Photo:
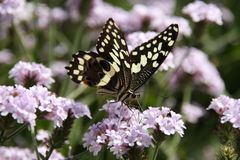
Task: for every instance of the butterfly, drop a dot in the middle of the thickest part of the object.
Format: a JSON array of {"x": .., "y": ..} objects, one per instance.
[{"x": 115, "y": 71}]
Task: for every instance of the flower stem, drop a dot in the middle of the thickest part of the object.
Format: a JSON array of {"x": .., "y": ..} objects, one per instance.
[
  {"x": 156, "y": 151},
  {"x": 18, "y": 130},
  {"x": 35, "y": 143}
]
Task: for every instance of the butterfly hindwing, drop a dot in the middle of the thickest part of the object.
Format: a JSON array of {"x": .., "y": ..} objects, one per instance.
[
  {"x": 90, "y": 69},
  {"x": 146, "y": 58}
]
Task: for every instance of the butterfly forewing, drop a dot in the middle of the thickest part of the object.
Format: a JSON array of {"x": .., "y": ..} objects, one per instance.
[
  {"x": 112, "y": 47},
  {"x": 146, "y": 58}
]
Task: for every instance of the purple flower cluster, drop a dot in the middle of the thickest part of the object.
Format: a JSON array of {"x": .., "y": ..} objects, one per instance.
[
  {"x": 22, "y": 104},
  {"x": 228, "y": 108},
  {"x": 125, "y": 128},
  {"x": 137, "y": 38},
  {"x": 14, "y": 153},
  {"x": 157, "y": 13},
  {"x": 5, "y": 56},
  {"x": 192, "y": 112},
  {"x": 24, "y": 72},
  {"x": 188, "y": 60},
  {"x": 200, "y": 11},
  {"x": 11, "y": 7},
  {"x": 45, "y": 15}
]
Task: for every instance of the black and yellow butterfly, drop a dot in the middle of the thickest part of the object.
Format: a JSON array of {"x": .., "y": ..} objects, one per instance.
[{"x": 115, "y": 71}]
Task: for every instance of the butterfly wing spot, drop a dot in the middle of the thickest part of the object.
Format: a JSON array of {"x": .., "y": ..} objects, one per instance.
[
  {"x": 121, "y": 55},
  {"x": 155, "y": 49},
  {"x": 81, "y": 61},
  {"x": 110, "y": 22},
  {"x": 103, "y": 44},
  {"x": 123, "y": 42},
  {"x": 79, "y": 78},
  {"x": 148, "y": 45},
  {"x": 114, "y": 35},
  {"x": 80, "y": 67},
  {"x": 86, "y": 57},
  {"x": 104, "y": 81},
  {"x": 76, "y": 72},
  {"x": 170, "y": 43},
  {"x": 154, "y": 42},
  {"x": 141, "y": 48},
  {"x": 106, "y": 41},
  {"x": 175, "y": 28},
  {"x": 164, "y": 53},
  {"x": 115, "y": 52},
  {"x": 107, "y": 30},
  {"x": 155, "y": 64},
  {"x": 134, "y": 53},
  {"x": 143, "y": 60},
  {"x": 160, "y": 46},
  {"x": 127, "y": 64},
  {"x": 155, "y": 56},
  {"x": 149, "y": 54},
  {"x": 108, "y": 37},
  {"x": 115, "y": 67},
  {"x": 136, "y": 68},
  {"x": 164, "y": 38},
  {"x": 116, "y": 43},
  {"x": 169, "y": 33},
  {"x": 101, "y": 49},
  {"x": 115, "y": 58}
]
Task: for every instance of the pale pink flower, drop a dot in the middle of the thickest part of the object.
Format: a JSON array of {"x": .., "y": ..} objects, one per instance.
[
  {"x": 125, "y": 128},
  {"x": 206, "y": 75},
  {"x": 200, "y": 11},
  {"x": 228, "y": 109},
  {"x": 192, "y": 112},
  {"x": 6, "y": 56},
  {"x": 23, "y": 72},
  {"x": 14, "y": 153}
]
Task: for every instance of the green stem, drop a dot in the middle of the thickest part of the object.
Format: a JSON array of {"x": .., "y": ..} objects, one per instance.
[
  {"x": 48, "y": 154},
  {"x": 187, "y": 94},
  {"x": 18, "y": 130},
  {"x": 35, "y": 143},
  {"x": 20, "y": 42},
  {"x": 156, "y": 151}
]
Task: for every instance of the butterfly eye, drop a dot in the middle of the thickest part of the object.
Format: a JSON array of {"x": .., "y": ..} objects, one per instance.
[{"x": 105, "y": 65}]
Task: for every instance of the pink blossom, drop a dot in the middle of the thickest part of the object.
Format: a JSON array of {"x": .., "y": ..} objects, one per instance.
[
  {"x": 200, "y": 11},
  {"x": 23, "y": 72}
]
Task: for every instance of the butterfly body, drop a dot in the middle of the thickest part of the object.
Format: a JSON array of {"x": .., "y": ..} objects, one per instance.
[{"x": 115, "y": 71}]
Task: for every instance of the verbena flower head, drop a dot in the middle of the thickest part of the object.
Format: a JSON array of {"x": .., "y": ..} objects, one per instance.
[
  {"x": 137, "y": 38},
  {"x": 58, "y": 69},
  {"x": 22, "y": 104},
  {"x": 200, "y": 11},
  {"x": 19, "y": 102},
  {"x": 125, "y": 128},
  {"x": 188, "y": 60},
  {"x": 228, "y": 108},
  {"x": 6, "y": 56},
  {"x": 29, "y": 72},
  {"x": 192, "y": 112},
  {"x": 14, "y": 153},
  {"x": 162, "y": 21},
  {"x": 11, "y": 7},
  {"x": 46, "y": 15},
  {"x": 101, "y": 11}
]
